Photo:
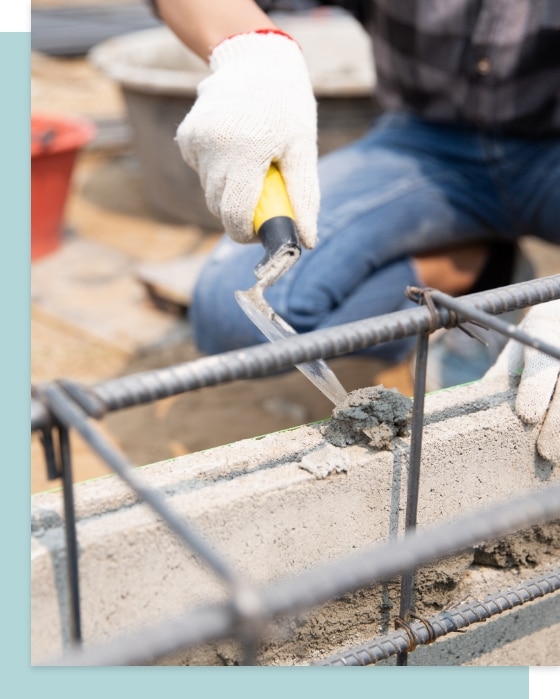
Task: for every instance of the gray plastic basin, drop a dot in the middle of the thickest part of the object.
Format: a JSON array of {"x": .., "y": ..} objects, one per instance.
[{"x": 158, "y": 78}]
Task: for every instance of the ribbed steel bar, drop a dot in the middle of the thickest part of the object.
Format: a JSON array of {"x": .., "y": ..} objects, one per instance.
[
  {"x": 413, "y": 479},
  {"x": 321, "y": 584},
  {"x": 269, "y": 358},
  {"x": 72, "y": 568},
  {"x": 244, "y": 601},
  {"x": 70, "y": 415},
  {"x": 470, "y": 312},
  {"x": 428, "y": 630}
]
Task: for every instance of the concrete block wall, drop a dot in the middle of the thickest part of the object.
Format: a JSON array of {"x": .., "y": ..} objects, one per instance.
[{"x": 283, "y": 503}]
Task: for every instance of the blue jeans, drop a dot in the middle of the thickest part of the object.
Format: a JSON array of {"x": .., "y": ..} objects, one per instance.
[{"x": 407, "y": 187}]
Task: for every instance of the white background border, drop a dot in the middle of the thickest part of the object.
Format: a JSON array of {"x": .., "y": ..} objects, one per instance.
[
  {"x": 15, "y": 16},
  {"x": 544, "y": 682}
]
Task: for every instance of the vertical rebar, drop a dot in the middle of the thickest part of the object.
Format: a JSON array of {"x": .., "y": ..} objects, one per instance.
[
  {"x": 413, "y": 481},
  {"x": 50, "y": 454},
  {"x": 250, "y": 651},
  {"x": 71, "y": 538},
  {"x": 70, "y": 414}
]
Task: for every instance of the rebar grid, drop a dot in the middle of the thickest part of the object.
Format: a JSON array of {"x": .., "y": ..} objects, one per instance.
[
  {"x": 68, "y": 405},
  {"x": 329, "y": 581},
  {"x": 426, "y": 631}
]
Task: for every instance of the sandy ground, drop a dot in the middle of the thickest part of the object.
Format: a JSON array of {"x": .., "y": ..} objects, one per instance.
[{"x": 106, "y": 209}]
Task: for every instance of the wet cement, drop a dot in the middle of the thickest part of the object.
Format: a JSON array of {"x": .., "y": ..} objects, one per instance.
[{"x": 372, "y": 416}]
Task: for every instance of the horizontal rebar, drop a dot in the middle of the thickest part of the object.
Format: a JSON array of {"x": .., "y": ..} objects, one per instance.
[
  {"x": 323, "y": 583},
  {"x": 270, "y": 358},
  {"x": 471, "y": 312},
  {"x": 428, "y": 630}
]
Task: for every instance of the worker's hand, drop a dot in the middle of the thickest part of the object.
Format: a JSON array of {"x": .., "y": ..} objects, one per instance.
[
  {"x": 538, "y": 394},
  {"x": 256, "y": 107}
]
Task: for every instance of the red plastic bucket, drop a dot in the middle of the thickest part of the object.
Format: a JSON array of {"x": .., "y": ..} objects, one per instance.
[{"x": 55, "y": 142}]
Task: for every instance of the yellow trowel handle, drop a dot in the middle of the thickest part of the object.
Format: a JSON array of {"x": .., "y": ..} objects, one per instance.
[
  {"x": 274, "y": 200},
  {"x": 275, "y": 225}
]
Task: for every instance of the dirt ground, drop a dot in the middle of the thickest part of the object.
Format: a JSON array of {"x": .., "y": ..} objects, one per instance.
[{"x": 106, "y": 208}]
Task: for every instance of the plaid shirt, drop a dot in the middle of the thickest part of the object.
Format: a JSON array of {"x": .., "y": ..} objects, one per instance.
[{"x": 492, "y": 64}]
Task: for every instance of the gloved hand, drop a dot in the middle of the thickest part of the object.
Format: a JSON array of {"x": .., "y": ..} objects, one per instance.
[
  {"x": 538, "y": 394},
  {"x": 256, "y": 107}
]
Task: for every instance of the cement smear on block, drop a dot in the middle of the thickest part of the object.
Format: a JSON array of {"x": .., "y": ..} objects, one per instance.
[{"x": 526, "y": 549}]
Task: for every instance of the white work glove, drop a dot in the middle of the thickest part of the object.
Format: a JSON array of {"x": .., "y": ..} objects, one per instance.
[
  {"x": 256, "y": 107},
  {"x": 538, "y": 394}
]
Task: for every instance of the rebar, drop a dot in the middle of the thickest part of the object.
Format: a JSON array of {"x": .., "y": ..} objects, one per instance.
[
  {"x": 70, "y": 536},
  {"x": 68, "y": 405},
  {"x": 451, "y": 620},
  {"x": 270, "y": 358},
  {"x": 70, "y": 415},
  {"x": 413, "y": 480},
  {"x": 471, "y": 312},
  {"x": 322, "y": 584}
]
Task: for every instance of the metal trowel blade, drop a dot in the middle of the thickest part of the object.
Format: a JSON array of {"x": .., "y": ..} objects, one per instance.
[{"x": 275, "y": 328}]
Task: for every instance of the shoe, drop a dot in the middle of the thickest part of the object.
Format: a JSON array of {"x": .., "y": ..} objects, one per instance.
[{"x": 454, "y": 358}]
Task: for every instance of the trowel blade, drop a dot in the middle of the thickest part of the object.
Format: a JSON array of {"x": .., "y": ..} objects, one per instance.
[{"x": 275, "y": 328}]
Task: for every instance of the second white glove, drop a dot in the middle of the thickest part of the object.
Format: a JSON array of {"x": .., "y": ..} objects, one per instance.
[
  {"x": 257, "y": 107},
  {"x": 538, "y": 394}
]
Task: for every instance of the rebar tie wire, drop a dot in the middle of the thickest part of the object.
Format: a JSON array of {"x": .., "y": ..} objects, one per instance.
[
  {"x": 323, "y": 583},
  {"x": 462, "y": 311},
  {"x": 451, "y": 620}
]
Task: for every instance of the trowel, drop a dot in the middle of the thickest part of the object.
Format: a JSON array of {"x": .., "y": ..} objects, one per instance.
[{"x": 274, "y": 224}]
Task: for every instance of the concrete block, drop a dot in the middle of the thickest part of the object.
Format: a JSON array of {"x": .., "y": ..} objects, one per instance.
[{"x": 271, "y": 518}]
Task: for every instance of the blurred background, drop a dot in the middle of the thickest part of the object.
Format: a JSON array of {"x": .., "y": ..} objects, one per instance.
[{"x": 120, "y": 228}]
